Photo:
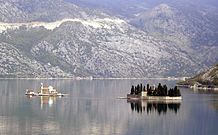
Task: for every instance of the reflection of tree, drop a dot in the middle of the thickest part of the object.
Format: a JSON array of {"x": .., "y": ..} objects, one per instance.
[
  {"x": 136, "y": 106},
  {"x": 175, "y": 107},
  {"x": 160, "y": 107},
  {"x": 47, "y": 100},
  {"x": 44, "y": 100}
]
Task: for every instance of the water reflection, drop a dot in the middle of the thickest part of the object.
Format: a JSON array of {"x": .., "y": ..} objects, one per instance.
[
  {"x": 44, "y": 100},
  {"x": 162, "y": 107},
  {"x": 208, "y": 95},
  {"x": 47, "y": 100},
  {"x": 92, "y": 108}
]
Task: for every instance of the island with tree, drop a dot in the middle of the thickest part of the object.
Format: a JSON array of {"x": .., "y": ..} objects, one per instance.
[{"x": 154, "y": 93}]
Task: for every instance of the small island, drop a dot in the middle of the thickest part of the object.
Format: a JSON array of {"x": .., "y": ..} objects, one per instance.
[
  {"x": 44, "y": 91},
  {"x": 154, "y": 93}
]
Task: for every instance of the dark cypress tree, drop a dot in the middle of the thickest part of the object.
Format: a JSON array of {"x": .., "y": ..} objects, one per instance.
[
  {"x": 175, "y": 92},
  {"x": 149, "y": 92},
  {"x": 159, "y": 90},
  {"x": 147, "y": 86},
  {"x": 159, "y": 86},
  {"x": 178, "y": 93},
  {"x": 135, "y": 90},
  {"x": 141, "y": 87},
  {"x": 132, "y": 90},
  {"x": 170, "y": 92},
  {"x": 138, "y": 89},
  {"x": 164, "y": 90}
]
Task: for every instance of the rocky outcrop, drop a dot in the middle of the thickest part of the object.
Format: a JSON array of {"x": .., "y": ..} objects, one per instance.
[{"x": 209, "y": 77}]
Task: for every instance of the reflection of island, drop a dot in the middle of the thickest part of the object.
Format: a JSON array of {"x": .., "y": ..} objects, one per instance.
[
  {"x": 153, "y": 106},
  {"x": 47, "y": 100}
]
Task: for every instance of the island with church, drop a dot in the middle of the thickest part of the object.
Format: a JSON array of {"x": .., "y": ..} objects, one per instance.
[
  {"x": 148, "y": 92},
  {"x": 44, "y": 91}
]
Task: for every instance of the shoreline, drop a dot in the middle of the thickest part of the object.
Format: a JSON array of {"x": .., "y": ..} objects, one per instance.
[
  {"x": 153, "y": 98},
  {"x": 204, "y": 87},
  {"x": 87, "y": 78}
]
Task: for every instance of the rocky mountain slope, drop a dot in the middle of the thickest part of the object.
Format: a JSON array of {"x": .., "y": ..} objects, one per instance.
[
  {"x": 182, "y": 24},
  {"x": 59, "y": 39},
  {"x": 100, "y": 48},
  {"x": 209, "y": 77}
]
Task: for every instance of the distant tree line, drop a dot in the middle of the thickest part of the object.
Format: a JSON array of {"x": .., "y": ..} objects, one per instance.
[{"x": 161, "y": 90}]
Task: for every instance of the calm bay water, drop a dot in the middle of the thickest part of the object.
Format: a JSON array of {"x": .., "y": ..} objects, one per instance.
[{"x": 92, "y": 107}]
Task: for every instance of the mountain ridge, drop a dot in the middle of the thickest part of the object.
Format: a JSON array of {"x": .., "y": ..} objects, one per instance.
[
  {"x": 124, "y": 52},
  {"x": 92, "y": 43},
  {"x": 183, "y": 24}
]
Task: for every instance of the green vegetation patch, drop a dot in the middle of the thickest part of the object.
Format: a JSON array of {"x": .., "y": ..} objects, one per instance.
[{"x": 24, "y": 38}]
